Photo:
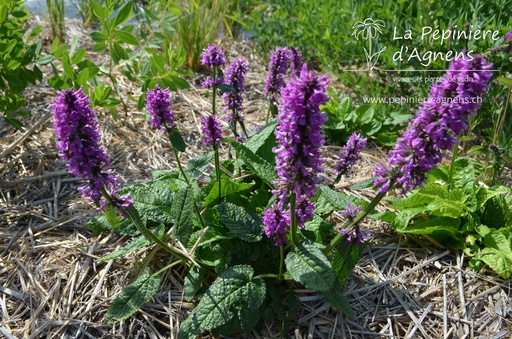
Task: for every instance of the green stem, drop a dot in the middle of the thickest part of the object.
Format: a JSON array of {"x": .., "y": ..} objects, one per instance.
[
  {"x": 293, "y": 220},
  {"x": 334, "y": 242},
  {"x": 171, "y": 265},
  {"x": 217, "y": 168},
  {"x": 176, "y": 155},
  {"x": 455, "y": 151},
  {"x": 281, "y": 262}
]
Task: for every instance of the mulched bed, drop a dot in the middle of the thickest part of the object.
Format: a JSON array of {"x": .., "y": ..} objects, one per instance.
[{"x": 52, "y": 287}]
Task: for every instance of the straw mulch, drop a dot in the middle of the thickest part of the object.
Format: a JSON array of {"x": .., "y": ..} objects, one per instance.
[{"x": 52, "y": 287}]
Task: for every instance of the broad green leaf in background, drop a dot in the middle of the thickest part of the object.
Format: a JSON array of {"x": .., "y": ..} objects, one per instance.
[
  {"x": 228, "y": 186},
  {"x": 255, "y": 163},
  {"x": 244, "y": 224},
  {"x": 133, "y": 296},
  {"x": 183, "y": 210},
  {"x": 309, "y": 266},
  {"x": 345, "y": 259},
  {"x": 228, "y": 299}
]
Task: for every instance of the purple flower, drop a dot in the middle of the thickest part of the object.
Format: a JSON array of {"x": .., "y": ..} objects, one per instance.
[
  {"x": 350, "y": 154},
  {"x": 213, "y": 56},
  {"x": 299, "y": 138},
  {"x": 355, "y": 234},
  {"x": 211, "y": 131},
  {"x": 277, "y": 223},
  {"x": 351, "y": 211},
  {"x": 158, "y": 104},
  {"x": 79, "y": 144},
  {"x": 208, "y": 82},
  {"x": 437, "y": 124},
  {"x": 295, "y": 59},
  {"x": 235, "y": 77},
  {"x": 508, "y": 39},
  {"x": 276, "y": 70}
]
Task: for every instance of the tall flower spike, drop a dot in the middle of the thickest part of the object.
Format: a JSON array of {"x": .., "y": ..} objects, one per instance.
[
  {"x": 79, "y": 145},
  {"x": 295, "y": 59},
  {"x": 350, "y": 154},
  {"x": 437, "y": 124},
  {"x": 235, "y": 77},
  {"x": 211, "y": 130},
  {"x": 213, "y": 56},
  {"x": 299, "y": 138},
  {"x": 158, "y": 103},
  {"x": 276, "y": 70}
]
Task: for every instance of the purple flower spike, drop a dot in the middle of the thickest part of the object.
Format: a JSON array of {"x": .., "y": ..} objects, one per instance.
[
  {"x": 211, "y": 131},
  {"x": 295, "y": 59},
  {"x": 158, "y": 103},
  {"x": 350, "y": 154},
  {"x": 235, "y": 77},
  {"x": 351, "y": 211},
  {"x": 437, "y": 124},
  {"x": 208, "y": 82},
  {"x": 355, "y": 234},
  {"x": 213, "y": 56},
  {"x": 508, "y": 39},
  {"x": 299, "y": 137},
  {"x": 79, "y": 144},
  {"x": 277, "y": 223},
  {"x": 276, "y": 70}
]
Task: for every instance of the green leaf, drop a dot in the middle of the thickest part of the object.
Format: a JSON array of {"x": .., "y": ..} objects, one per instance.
[
  {"x": 259, "y": 139},
  {"x": 183, "y": 210},
  {"x": 124, "y": 14},
  {"x": 228, "y": 187},
  {"x": 127, "y": 38},
  {"x": 497, "y": 253},
  {"x": 338, "y": 300},
  {"x": 223, "y": 303},
  {"x": 255, "y": 163},
  {"x": 200, "y": 163},
  {"x": 345, "y": 259},
  {"x": 309, "y": 266},
  {"x": 192, "y": 283},
  {"x": 133, "y": 297},
  {"x": 133, "y": 246},
  {"x": 244, "y": 224},
  {"x": 120, "y": 52},
  {"x": 111, "y": 216},
  {"x": 45, "y": 60},
  {"x": 337, "y": 199},
  {"x": 153, "y": 200},
  {"x": 177, "y": 140}
]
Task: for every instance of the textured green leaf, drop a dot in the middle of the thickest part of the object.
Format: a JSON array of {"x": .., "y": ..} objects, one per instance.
[
  {"x": 199, "y": 164},
  {"x": 309, "y": 266},
  {"x": 338, "y": 300},
  {"x": 255, "y": 163},
  {"x": 110, "y": 215},
  {"x": 228, "y": 186},
  {"x": 497, "y": 253},
  {"x": 232, "y": 291},
  {"x": 153, "y": 200},
  {"x": 259, "y": 139},
  {"x": 338, "y": 200},
  {"x": 133, "y": 297},
  {"x": 192, "y": 283},
  {"x": 244, "y": 224},
  {"x": 183, "y": 210},
  {"x": 345, "y": 259}
]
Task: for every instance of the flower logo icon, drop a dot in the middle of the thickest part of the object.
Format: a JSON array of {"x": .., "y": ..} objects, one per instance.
[{"x": 368, "y": 30}]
